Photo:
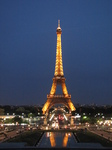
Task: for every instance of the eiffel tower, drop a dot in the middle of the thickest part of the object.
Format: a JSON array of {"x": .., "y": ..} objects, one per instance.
[{"x": 58, "y": 79}]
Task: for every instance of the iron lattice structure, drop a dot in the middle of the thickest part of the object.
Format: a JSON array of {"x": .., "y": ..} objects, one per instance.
[{"x": 58, "y": 79}]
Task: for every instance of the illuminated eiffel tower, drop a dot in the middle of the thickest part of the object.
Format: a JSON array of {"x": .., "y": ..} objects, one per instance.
[{"x": 58, "y": 79}]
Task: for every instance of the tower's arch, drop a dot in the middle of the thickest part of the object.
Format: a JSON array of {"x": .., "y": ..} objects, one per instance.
[{"x": 53, "y": 104}]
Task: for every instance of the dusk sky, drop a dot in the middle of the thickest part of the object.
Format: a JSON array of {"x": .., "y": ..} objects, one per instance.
[{"x": 28, "y": 50}]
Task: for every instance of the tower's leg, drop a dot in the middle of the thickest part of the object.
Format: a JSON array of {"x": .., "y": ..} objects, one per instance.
[
  {"x": 71, "y": 106},
  {"x": 53, "y": 88},
  {"x": 45, "y": 121},
  {"x": 46, "y": 106},
  {"x": 72, "y": 121},
  {"x": 64, "y": 89}
]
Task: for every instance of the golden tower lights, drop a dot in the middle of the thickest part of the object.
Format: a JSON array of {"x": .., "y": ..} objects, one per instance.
[{"x": 58, "y": 79}]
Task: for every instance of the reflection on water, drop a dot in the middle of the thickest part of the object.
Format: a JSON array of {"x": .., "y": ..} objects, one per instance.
[
  {"x": 57, "y": 139},
  {"x": 65, "y": 139},
  {"x": 52, "y": 139}
]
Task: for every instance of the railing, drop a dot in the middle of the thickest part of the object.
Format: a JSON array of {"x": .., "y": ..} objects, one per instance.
[{"x": 58, "y": 96}]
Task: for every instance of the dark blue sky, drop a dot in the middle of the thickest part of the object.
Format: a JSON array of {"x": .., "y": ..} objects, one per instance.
[{"x": 28, "y": 49}]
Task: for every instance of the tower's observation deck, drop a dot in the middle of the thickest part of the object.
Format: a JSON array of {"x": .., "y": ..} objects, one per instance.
[{"x": 58, "y": 79}]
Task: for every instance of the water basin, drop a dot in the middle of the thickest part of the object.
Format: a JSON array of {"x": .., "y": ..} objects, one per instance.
[{"x": 57, "y": 139}]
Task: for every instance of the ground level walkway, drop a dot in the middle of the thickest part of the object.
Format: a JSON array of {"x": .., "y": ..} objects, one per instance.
[{"x": 102, "y": 133}]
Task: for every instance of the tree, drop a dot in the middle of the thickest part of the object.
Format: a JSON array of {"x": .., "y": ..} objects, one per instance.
[
  {"x": 1, "y": 111},
  {"x": 30, "y": 115},
  {"x": 93, "y": 120},
  {"x": 85, "y": 119},
  {"x": 20, "y": 110},
  {"x": 17, "y": 119},
  {"x": 8, "y": 121}
]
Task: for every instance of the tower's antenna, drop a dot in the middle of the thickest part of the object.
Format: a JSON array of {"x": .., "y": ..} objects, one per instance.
[{"x": 58, "y": 23}]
